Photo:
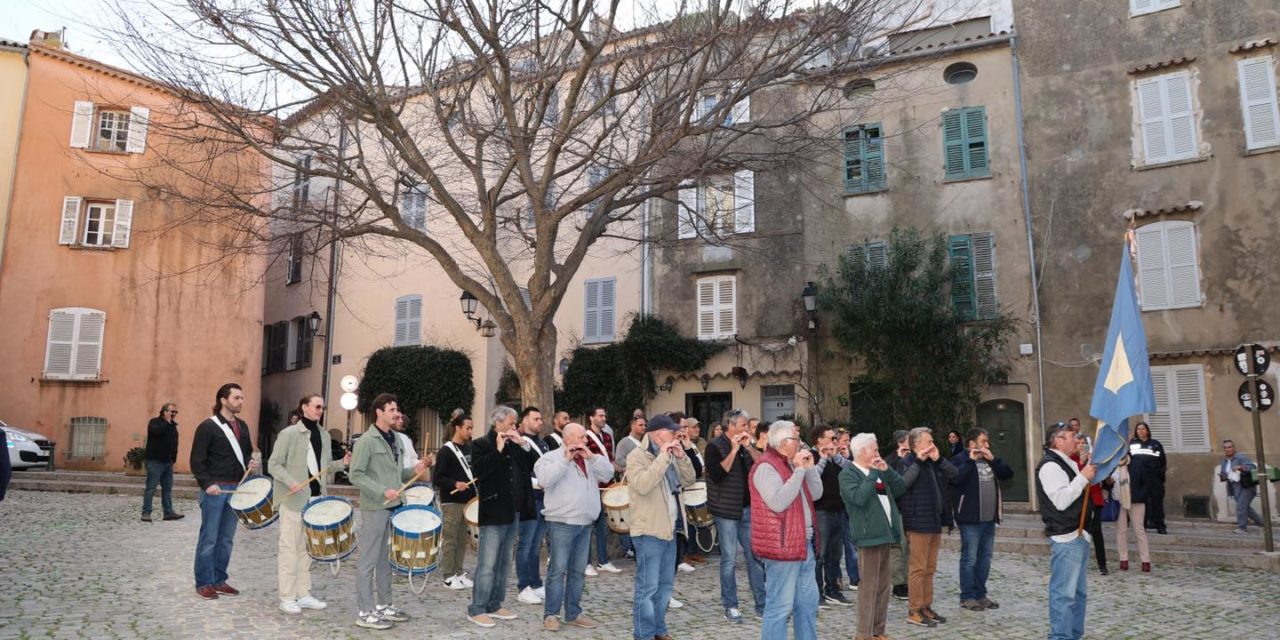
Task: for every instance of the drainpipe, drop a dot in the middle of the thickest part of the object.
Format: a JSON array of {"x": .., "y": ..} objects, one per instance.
[
  {"x": 17, "y": 142},
  {"x": 646, "y": 292},
  {"x": 1026, "y": 216},
  {"x": 331, "y": 293}
]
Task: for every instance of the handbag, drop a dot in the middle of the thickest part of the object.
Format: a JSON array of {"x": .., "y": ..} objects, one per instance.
[{"x": 1110, "y": 510}]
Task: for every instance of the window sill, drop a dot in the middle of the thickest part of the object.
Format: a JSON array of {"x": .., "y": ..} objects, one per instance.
[
  {"x": 598, "y": 341},
  {"x": 1172, "y": 163},
  {"x": 1261, "y": 150},
  {"x": 727, "y": 338},
  {"x": 1198, "y": 305},
  {"x": 965, "y": 179},
  {"x": 47, "y": 381},
  {"x": 108, "y": 152},
  {"x": 90, "y": 247},
  {"x": 1147, "y": 13},
  {"x": 868, "y": 192}
]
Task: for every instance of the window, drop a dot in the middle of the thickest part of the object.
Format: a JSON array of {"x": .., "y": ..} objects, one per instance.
[
  {"x": 973, "y": 276},
  {"x": 599, "y": 310},
  {"x": 964, "y": 141},
  {"x": 596, "y": 174},
  {"x": 73, "y": 350},
  {"x": 302, "y": 181},
  {"x": 1167, "y": 118},
  {"x": 709, "y": 102},
  {"x": 959, "y": 73},
  {"x": 276, "y": 338},
  {"x": 107, "y": 224},
  {"x": 1168, "y": 266},
  {"x": 1180, "y": 421},
  {"x": 721, "y": 205},
  {"x": 717, "y": 307},
  {"x": 88, "y": 437},
  {"x": 112, "y": 129},
  {"x": 413, "y": 207},
  {"x": 859, "y": 88},
  {"x": 1141, "y": 7},
  {"x": 408, "y": 321},
  {"x": 874, "y": 253},
  {"x": 300, "y": 357},
  {"x": 294, "y": 262},
  {"x": 863, "y": 159},
  {"x": 602, "y": 87},
  {"x": 1258, "y": 101},
  {"x": 552, "y": 115}
]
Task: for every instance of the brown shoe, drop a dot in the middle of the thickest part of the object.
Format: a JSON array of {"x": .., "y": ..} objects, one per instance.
[
  {"x": 551, "y": 623},
  {"x": 502, "y": 614},
  {"x": 663, "y": 637},
  {"x": 174, "y": 516},
  {"x": 207, "y": 593},
  {"x": 583, "y": 622},
  {"x": 226, "y": 589},
  {"x": 146, "y": 517}
]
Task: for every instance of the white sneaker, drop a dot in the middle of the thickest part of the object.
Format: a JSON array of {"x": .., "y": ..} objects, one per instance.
[
  {"x": 308, "y": 602},
  {"x": 685, "y": 567},
  {"x": 674, "y": 604},
  {"x": 290, "y": 607},
  {"x": 466, "y": 581},
  {"x": 608, "y": 566},
  {"x": 528, "y": 596},
  {"x": 455, "y": 583},
  {"x": 590, "y": 572},
  {"x": 542, "y": 592},
  {"x": 371, "y": 620}
]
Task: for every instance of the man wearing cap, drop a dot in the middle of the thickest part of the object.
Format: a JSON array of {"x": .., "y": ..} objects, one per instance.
[
  {"x": 656, "y": 472},
  {"x": 1062, "y": 488}
]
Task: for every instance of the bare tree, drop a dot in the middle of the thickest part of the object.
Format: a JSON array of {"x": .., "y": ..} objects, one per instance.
[{"x": 533, "y": 128}]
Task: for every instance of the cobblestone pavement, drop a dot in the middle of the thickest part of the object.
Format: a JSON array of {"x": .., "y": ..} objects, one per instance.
[{"x": 83, "y": 566}]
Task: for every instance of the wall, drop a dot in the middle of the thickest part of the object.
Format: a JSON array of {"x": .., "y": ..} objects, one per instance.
[{"x": 13, "y": 92}]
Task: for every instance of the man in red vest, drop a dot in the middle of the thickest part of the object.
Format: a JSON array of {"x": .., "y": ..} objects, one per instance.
[{"x": 784, "y": 483}]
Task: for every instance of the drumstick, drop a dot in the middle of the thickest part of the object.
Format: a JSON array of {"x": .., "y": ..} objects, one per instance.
[
  {"x": 404, "y": 486},
  {"x": 473, "y": 481},
  {"x": 308, "y": 480}
]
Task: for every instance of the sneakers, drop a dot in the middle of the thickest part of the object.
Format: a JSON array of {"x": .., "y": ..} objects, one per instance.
[
  {"x": 822, "y": 603},
  {"x": 1245, "y": 531},
  {"x": 146, "y": 517},
  {"x": 591, "y": 571},
  {"x": 391, "y": 613},
  {"x": 608, "y": 566},
  {"x": 971, "y": 605},
  {"x": 315, "y": 604},
  {"x": 207, "y": 593},
  {"x": 674, "y": 604},
  {"x": 988, "y": 603},
  {"x": 583, "y": 622},
  {"x": 900, "y": 591},
  {"x": 226, "y": 589},
  {"x": 483, "y": 620},
  {"x": 466, "y": 580},
  {"x": 933, "y": 615},
  {"x": 685, "y": 567},
  {"x": 542, "y": 592},
  {"x": 733, "y": 615},
  {"x": 290, "y": 607},
  {"x": 455, "y": 583},
  {"x": 918, "y": 617},
  {"x": 174, "y": 516},
  {"x": 371, "y": 620},
  {"x": 503, "y": 614},
  {"x": 853, "y": 587},
  {"x": 551, "y": 623},
  {"x": 528, "y": 596},
  {"x": 835, "y": 597},
  {"x": 630, "y": 554}
]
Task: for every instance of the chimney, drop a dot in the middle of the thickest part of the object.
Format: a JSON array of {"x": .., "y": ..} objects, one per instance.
[{"x": 50, "y": 39}]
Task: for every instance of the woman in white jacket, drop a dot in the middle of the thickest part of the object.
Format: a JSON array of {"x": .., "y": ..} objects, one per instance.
[{"x": 1131, "y": 510}]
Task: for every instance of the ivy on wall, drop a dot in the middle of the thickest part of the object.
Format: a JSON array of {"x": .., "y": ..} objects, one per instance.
[{"x": 420, "y": 377}]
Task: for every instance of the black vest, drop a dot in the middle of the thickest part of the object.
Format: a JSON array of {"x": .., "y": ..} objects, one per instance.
[
  {"x": 1067, "y": 520},
  {"x": 830, "y": 500},
  {"x": 728, "y": 498}
]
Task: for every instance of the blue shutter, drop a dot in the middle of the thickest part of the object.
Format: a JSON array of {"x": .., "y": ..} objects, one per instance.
[{"x": 962, "y": 289}]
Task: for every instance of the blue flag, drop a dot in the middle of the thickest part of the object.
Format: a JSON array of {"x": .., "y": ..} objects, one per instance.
[{"x": 1124, "y": 386}]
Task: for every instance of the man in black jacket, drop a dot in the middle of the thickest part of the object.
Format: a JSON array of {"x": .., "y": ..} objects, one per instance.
[
  {"x": 728, "y": 462},
  {"x": 978, "y": 511},
  {"x": 924, "y": 513},
  {"x": 161, "y": 453},
  {"x": 221, "y": 456},
  {"x": 452, "y": 477},
  {"x": 898, "y": 556}
]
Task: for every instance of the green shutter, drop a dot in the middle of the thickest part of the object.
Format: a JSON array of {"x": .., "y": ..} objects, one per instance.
[
  {"x": 953, "y": 144},
  {"x": 873, "y": 157},
  {"x": 853, "y": 160},
  {"x": 962, "y": 290},
  {"x": 863, "y": 159},
  {"x": 964, "y": 141}
]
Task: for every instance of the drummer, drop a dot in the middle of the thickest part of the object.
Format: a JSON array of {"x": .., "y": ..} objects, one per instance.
[
  {"x": 377, "y": 470},
  {"x": 295, "y": 465},
  {"x": 452, "y": 478},
  {"x": 221, "y": 456}
]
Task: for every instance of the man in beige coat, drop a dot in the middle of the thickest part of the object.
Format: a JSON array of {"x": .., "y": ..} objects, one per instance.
[{"x": 301, "y": 466}]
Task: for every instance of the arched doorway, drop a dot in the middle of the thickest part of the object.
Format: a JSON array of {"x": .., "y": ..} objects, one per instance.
[{"x": 1006, "y": 424}]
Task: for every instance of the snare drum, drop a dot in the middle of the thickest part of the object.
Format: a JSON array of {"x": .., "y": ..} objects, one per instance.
[
  {"x": 328, "y": 523},
  {"x": 420, "y": 493},
  {"x": 695, "y": 505},
  {"x": 415, "y": 539},
  {"x": 617, "y": 507},
  {"x": 471, "y": 513},
  {"x": 252, "y": 503}
]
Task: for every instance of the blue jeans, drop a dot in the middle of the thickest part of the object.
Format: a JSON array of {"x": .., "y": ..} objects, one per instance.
[
  {"x": 792, "y": 593},
  {"x": 570, "y": 546},
  {"x": 850, "y": 555},
  {"x": 831, "y": 534},
  {"x": 159, "y": 472},
  {"x": 529, "y": 549},
  {"x": 601, "y": 538},
  {"x": 655, "y": 577},
  {"x": 1068, "y": 588},
  {"x": 625, "y": 540},
  {"x": 733, "y": 534},
  {"x": 217, "y": 533},
  {"x": 493, "y": 563},
  {"x": 976, "y": 543},
  {"x": 1244, "y": 507}
]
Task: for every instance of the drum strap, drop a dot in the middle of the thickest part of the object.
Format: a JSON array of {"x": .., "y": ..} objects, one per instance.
[
  {"x": 457, "y": 453},
  {"x": 235, "y": 443},
  {"x": 596, "y": 439}
]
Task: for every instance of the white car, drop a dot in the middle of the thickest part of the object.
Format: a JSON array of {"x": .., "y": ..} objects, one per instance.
[{"x": 26, "y": 449}]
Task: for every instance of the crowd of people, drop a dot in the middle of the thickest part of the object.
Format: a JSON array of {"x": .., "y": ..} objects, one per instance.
[{"x": 787, "y": 509}]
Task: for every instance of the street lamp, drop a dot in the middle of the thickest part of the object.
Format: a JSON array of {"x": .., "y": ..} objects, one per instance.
[
  {"x": 469, "y": 302},
  {"x": 313, "y": 324},
  {"x": 810, "y": 297}
]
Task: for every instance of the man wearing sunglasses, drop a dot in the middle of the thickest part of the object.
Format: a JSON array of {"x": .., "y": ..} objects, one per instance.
[
  {"x": 161, "y": 452},
  {"x": 1062, "y": 488}
]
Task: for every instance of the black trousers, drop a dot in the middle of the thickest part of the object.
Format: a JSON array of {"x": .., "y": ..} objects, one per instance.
[
  {"x": 1095, "y": 531},
  {"x": 1154, "y": 518}
]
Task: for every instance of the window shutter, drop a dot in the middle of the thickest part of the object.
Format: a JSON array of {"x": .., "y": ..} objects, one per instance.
[
  {"x": 413, "y": 331},
  {"x": 401, "y": 336},
  {"x": 413, "y": 207},
  {"x": 81, "y": 124},
  {"x": 877, "y": 253},
  {"x": 1141, "y": 6},
  {"x": 975, "y": 135},
  {"x": 1193, "y": 423},
  {"x": 873, "y": 158},
  {"x": 525, "y": 298},
  {"x": 1258, "y": 101},
  {"x": 707, "y": 308},
  {"x": 984, "y": 275},
  {"x": 591, "y": 312},
  {"x": 1182, "y": 125},
  {"x": 88, "y": 360},
  {"x": 741, "y": 111},
  {"x": 1153, "y": 281},
  {"x": 953, "y": 144},
  {"x": 70, "y": 220},
  {"x": 607, "y": 304},
  {"x": 727, "y": 305},
  {"x": 139, "y": 119},
  {"x": 962, "y": 298},
  {"x": 1161, "y": 422},
  {"x": 744, "y": 202},
  {"x": 686, "y": 211},
  {"x": 1155, "y": 144},
  {"x": 854, "y": 172},
  {"x": 124, "y": 224},
  {"x": 1184, "y": 272},
  {"x": 61, "y": 343}
]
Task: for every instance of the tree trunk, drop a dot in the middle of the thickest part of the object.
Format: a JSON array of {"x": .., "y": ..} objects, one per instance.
[{"x": 535, "y": 361}]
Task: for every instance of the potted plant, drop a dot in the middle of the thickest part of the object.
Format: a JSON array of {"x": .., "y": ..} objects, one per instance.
[{"x": 133, "y": 461}]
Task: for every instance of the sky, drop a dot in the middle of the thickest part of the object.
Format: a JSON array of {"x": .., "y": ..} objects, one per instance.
[{"x": 21, "y": 17}]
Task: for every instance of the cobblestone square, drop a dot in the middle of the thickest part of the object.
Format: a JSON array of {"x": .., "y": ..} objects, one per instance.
[{"x": 83, "y": 566}]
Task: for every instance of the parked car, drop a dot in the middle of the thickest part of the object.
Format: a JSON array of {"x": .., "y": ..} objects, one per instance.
[{"x": 27, "y": 449}]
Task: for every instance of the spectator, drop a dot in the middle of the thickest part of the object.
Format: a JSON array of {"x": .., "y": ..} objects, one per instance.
[
  {"x": 899, "y": 556},
  {"x": 979, "y": 506},
  {"x": 1236, "y": 470},
  {"x": 161, "y": 453},
  {"x": 955, "y": 443},
  {"x": 1081, "y": 458},
  {"x": 1126, "y": 489},
  {"x": 924, "y": 512},
  {"x": 1149, "y": 463},
  {"x": 870, "y": 489}
]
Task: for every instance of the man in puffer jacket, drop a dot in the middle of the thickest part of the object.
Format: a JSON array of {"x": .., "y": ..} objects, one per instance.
[{"x": 924, "y": 512}]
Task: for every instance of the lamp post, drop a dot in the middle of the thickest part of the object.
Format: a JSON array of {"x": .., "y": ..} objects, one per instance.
[
  {"x": 810, "y": 297},
  {"x": 486, "y": 327}
]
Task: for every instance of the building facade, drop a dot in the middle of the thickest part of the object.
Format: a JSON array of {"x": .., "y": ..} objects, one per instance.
[{"x": 13, "y": 93}]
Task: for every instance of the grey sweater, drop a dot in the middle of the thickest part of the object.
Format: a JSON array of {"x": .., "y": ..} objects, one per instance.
[
  {"x": 570, "y": 496},
  {"x": 779, "y": 495}
]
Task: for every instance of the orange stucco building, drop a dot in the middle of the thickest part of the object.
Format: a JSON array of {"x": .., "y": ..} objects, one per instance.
[{"x": 112, "y": 300}]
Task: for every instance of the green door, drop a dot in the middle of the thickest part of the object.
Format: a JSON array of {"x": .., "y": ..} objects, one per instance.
[{"x": 1006, "y": 425}]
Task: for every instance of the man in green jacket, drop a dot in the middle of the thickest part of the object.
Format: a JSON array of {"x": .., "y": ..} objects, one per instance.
[
  {"x": 377, "y": 469},
  {"x": 870, "y": 490}
]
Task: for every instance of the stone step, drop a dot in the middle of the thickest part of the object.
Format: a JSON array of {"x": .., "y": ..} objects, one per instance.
[
  {"x": 36, "y": 482},
  {"x": 1248, "y": 558}
]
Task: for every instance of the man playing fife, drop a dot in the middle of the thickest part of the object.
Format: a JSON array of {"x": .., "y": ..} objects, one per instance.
[
  {"x": 569, "y": 477},
  {"x": 870, "y": 489},
  {"x": 729, "y": 459},
  {"x": 977, "y": 482},
  {"x": 1062, "y": 488},
  {"x": 784, "y": 484}
]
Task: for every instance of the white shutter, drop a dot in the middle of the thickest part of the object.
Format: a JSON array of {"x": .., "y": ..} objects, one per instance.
[
  {"x": 591, "y": 312},
  {"x": 1161, "y": 422},
  {"x": 81, "y": 124},
  {"x": 744, "y": 202},
  {"x": 70, "y": 220},
  {"x": 607, "y": 303},
  {"x": 742, "y": 110},
  {"x": 401, "y": 336},
  {"x": 727, "y": 307},
  {"x": 139, "y": 119},
  {"x": 1151, "y": 107},
  {"x": 1153, "y": 279},
  {"x": 1258, "y": 101},
  {"x": 1140, "y": 6},
  {"x": 707, "y": 308},
  {"x": 413, "y": 330},
  {"x": 60, "y": 346},
  {"x": 686, "y": 211},
  {"x": 88, "y": 358},
  {"x": 124, "y": 224},
  {"x": 1182, "y": 119},
  {"x": 984, "y": 274},
  {"x": 1184, "y": 272},
  {"x": 1193, "y": 422}
]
